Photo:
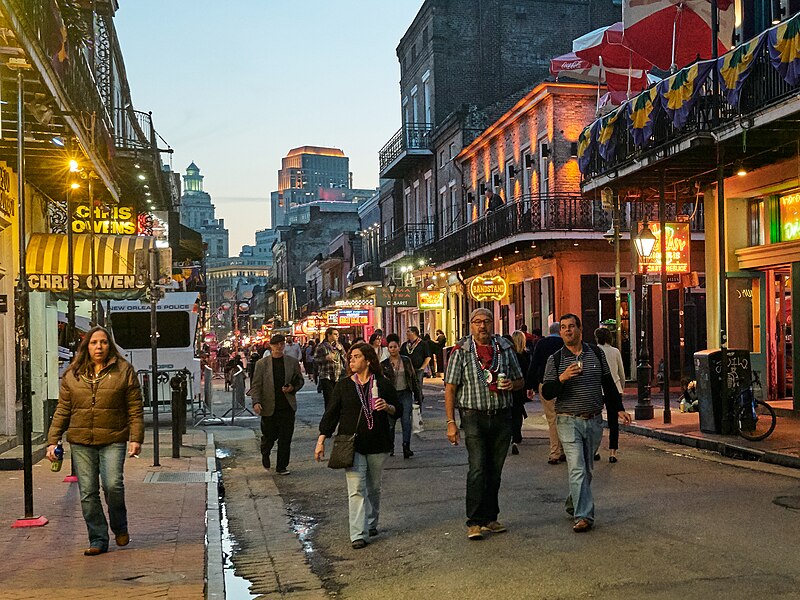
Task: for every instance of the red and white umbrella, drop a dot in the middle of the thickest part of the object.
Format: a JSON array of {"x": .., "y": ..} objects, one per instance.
[
  {"x": 607, "y": 47},
  {"x": 572, "y": 66},
  {"x": 673, "y": 33}
]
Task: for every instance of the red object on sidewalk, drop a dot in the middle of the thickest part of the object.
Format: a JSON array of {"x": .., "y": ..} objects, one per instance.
[
  {"x": 32, "y": 522},
  {"x": 70, "y": 479}
]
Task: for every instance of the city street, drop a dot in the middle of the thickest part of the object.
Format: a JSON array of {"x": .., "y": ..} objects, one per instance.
[{"x": 672, "y": 522}]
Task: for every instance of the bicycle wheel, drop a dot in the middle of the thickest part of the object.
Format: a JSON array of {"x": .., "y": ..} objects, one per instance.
[{"x": 758, "y": 424}]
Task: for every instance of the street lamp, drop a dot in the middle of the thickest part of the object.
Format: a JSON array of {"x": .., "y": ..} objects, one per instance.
[
  {"x": 392, "y": 286},
  {"x": 645, "y": 241}
]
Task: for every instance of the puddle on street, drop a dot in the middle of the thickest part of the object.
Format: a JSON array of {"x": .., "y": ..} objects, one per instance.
[
  {"x": 224, "y": 452},
  {"x": 236, "y": 588},
  {"x": 302, "y": 525}
]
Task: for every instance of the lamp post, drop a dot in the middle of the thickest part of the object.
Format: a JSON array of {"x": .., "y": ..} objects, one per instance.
[
  {"x": 644, "y": 242},
  {"x": 392, "y": 286}
]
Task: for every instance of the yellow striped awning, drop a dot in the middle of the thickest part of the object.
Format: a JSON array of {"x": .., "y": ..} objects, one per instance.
[{"x": 47, "y": 264}]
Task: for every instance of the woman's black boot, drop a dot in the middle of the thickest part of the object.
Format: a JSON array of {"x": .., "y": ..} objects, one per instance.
[{"x": 407, "y": 453}]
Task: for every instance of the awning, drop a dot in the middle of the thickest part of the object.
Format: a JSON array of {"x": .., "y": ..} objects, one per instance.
[{"x": 114, "y": 273}]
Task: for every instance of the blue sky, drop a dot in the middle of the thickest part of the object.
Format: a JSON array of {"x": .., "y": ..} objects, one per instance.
[{"x": 234, "y": 85}]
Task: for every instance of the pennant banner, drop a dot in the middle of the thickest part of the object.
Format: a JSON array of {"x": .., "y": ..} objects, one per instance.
[
  {"x": 784, "y": 49},
  {"x": 606, "y": 140},
  {"x": 586, "y": 141},
  {"x": 735, "y": 67},
  {"x": 642, "y": 112},
  {"x": 679, "y": 93}
]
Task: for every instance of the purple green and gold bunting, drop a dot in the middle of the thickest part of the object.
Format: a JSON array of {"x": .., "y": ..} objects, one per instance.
[
  {"x": 735, "y": 66},
  {"x": 606, "y": 140},
  {"x": 680, "y": 91},
  {"x": 784, "y": 49},
  {"x": 642, "y": 111},
  {"x": 586, "y": 140}
]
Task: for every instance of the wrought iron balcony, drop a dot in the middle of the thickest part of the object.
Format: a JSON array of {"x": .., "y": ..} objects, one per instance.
[
  {"x": 541, "y": 214},
  {"x": 406, "y": 240},
  {"x": 764, "y": 88},
  {"x": 368, "y": 273},
  {"x": 404, "y": 149}
]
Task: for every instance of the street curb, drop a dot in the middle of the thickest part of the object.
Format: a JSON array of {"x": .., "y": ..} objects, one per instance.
[
  {"x": 726, "y": 449},
  {"x": 215, "y": 576}
]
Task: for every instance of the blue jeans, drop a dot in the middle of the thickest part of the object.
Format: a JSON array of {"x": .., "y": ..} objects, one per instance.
[
  {"x": 364, "y": 493},
  {"x": 487, "y": 437},
  {"x": 94, "y": 464},
  {"x": 406, "y": 399},
  {"x": 420, "y": 379},
  {"x": 581, "y": 440}
]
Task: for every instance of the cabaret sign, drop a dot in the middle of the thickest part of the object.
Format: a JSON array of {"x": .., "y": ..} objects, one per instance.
[
  {"x": 114, "y": 220},
  {"x": 484, "y": 289}
]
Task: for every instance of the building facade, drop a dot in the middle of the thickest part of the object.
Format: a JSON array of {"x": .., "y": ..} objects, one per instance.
[{"x": 198, "y": 213}]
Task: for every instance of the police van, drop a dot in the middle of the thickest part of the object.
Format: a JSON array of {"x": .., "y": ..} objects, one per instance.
[{"x": 177, "y": 315}]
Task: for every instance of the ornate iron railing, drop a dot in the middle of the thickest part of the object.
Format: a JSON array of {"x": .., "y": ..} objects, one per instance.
[
  {"x": 365, "y": 273},
  {"x": 540, "y": 213},
  {"x": 412, "y": 136},
  {"x": 763, "y": 88},
  {"x": 133, "y": 129},
  {"x": 407, "y": 239}
]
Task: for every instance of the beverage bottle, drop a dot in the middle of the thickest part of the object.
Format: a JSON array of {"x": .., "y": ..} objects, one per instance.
[
  {"x": 55, "y": 466},
  {"x": 374, "y": 392},
  {"x": 501, "y": 377}
]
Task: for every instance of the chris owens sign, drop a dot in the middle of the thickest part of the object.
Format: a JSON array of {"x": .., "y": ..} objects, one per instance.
[
  {"x": 485, "y": 289},
  {"x": 116, "y": 220}
]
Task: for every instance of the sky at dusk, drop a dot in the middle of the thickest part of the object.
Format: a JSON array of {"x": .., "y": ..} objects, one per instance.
[{"x": 234, "y": 85}]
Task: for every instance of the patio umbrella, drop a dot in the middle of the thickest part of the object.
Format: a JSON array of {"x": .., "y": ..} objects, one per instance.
[
  {"x": 572, "y": 66},
  {"x": 671, "y": 34}
]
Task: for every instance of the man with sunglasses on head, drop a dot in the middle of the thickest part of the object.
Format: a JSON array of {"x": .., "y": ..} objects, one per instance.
[{"x": 481, "y": 374}]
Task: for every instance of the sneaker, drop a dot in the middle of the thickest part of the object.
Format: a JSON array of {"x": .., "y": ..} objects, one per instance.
[
  {"x": 514, "y": 449},
  {"x": 265, "y": 461},
  {"x": 474, "y": 532},
  {"x": 494, "y": 527},
  {"x": 282, "y": 471}
]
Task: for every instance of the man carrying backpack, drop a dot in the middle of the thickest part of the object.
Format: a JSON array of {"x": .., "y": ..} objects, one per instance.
[{"x": 579, "y": 378}]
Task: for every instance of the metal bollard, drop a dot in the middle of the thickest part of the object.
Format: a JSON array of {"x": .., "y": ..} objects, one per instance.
[{"x": 178, "y": 385}]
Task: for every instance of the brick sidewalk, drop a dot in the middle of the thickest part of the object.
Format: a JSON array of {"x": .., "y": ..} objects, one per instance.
[{"x": 166, "y": 556}]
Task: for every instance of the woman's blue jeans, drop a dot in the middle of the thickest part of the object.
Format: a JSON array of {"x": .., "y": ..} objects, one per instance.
[
  {"x": 95, "y": 464},
  {"x": 406, "y": 399},
  {"x": 364, "y": 493}
]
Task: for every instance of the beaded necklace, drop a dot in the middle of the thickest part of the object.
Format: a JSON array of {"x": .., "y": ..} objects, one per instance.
[
  {"x": 365, "y": 395},
  {"x": 487, "y": 375}
]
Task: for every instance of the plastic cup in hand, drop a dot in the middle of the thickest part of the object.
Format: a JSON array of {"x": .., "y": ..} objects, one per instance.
[{"x": 579, "y": 363}]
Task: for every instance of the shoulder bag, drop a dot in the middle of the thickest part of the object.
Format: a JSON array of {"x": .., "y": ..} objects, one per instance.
[{"x": 344, "y": 448}]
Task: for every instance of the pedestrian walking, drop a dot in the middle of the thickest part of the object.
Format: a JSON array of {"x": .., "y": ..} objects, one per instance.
[
  {"x": 419, "y": 352},
  {"x": 275, "y": 382},
  {"x": 356, "y": 409},
  {"x": 100, "y": 409},
  {"x": 545, "y": 347},
  {"x": 441, "y": 342},
  {"x": 376, "y": 341},
  {"x": 518, "y": 413},
  {"x": 399, "y": 370},
  {"x": 481, "y": 374},
  {"x": 329, "y": 359},
  {"x": 580, "y": 381},
  {"x": 308, "y": 361},
  {"x": 614, "y": 360},
  {"x": 293, "y": 349}
]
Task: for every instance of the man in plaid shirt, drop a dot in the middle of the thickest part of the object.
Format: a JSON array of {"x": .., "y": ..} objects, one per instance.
[{"x": 481, "y": 374}]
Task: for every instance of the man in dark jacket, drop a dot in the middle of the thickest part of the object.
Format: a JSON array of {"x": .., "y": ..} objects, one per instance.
[
  {"x": 276, "y": 380},
  {"x": 545, "y": 347},
  {"x": 493, "y": 201}
]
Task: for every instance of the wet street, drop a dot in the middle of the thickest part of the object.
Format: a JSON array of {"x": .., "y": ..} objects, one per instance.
[{"x": 672, "y": 522}]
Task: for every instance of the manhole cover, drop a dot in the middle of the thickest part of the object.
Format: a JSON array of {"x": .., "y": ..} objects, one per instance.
[
  {"x": 788, "y": 501},
  {"x": 181, "y": 477}
]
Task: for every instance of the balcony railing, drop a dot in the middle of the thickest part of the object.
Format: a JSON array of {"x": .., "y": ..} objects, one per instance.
[
  {"x": 133, "y": 129},
  {"x": 762, "y": 88},
  {"x": 538, "y": 214},
  {"x": 365, "y": 273},
  {"x": 407, "y": 239},
  {"x": 412, "y": 136}
]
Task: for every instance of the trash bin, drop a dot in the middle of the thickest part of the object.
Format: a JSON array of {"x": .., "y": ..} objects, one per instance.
[{"x": 708, "y": 368}]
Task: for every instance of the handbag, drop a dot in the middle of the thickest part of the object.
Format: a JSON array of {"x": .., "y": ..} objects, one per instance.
[
  {"x": 416, "y": 419},
  {"x": 344, "y": 448}
]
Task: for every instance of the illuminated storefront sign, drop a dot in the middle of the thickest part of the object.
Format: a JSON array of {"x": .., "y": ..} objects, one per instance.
[
  {"x": 8, "y": 199},
  {"x": 402, "y": 297},
  {"x": 311, "y": 325},
  {"x": 677, "y": 249},
  {"x": 351, "y": 317},
  {"x": 430, "y": 300},
  {"x": 115, "y": 220},
  {"x": 483, "y": 289},
  {"x": 357, "y": 303},
  {"x": 790, "y": 217}
]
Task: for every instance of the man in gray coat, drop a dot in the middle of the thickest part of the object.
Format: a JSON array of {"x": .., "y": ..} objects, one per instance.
[{"x": 276, "y": 380}]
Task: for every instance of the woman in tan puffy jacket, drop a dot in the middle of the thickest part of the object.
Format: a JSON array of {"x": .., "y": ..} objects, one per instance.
[{"x": 100, "y": 408}]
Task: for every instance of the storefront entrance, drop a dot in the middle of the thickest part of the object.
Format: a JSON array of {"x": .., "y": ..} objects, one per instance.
[{"x": 779, "y": 334}]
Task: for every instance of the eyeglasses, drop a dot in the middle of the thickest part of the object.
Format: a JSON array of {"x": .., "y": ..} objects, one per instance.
[{"x": 481, "y": 322}]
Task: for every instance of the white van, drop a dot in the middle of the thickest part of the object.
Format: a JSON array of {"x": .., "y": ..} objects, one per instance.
[{"x": 176, "y": 321}]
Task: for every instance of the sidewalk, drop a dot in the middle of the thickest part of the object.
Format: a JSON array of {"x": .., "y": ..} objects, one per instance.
[
  {"x": 780, "y": 448},
  {"x": 166, "y": 555}
]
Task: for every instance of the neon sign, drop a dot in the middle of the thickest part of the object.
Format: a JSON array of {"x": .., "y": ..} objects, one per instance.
[{"x": 677, "y": 252}]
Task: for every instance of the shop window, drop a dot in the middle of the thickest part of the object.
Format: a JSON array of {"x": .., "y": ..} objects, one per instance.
[
  {"x": 755, "y": 233},
  {"x": 789, "y": 207}
]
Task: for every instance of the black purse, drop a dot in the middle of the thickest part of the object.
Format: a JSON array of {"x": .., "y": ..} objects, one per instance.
[{"x": 344, "y": 448}]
